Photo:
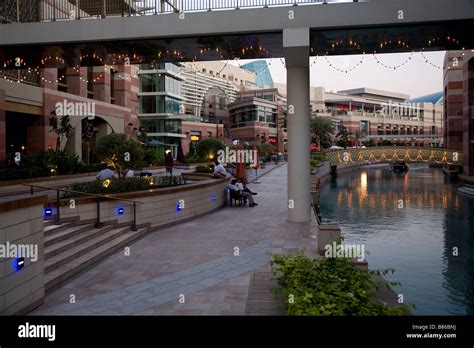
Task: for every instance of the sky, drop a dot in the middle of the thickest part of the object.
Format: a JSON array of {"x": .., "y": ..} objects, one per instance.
[{"x": 415, "y": 78}]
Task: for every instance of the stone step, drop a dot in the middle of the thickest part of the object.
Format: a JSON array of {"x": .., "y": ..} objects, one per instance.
[
  {"x": 76, "y": 251},
  {"x": 53, "y": 228},
  {"x": 64, "y": 234},
  {"x": 77, "y": 264},
  {"x": 72, "y": 237},
  {"x": 48, "y": 223}
]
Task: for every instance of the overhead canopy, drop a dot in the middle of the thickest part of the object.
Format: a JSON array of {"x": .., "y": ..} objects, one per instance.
[{"x": 155, "y": 142}]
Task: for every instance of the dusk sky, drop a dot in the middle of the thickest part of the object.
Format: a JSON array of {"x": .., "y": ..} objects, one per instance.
[{"x": 416, "y": 78}]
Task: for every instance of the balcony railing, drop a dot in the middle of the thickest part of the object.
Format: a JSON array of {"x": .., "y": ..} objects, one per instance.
[
  {"x": 21, "y": 76},
  {"x": 52, "y": 10}
]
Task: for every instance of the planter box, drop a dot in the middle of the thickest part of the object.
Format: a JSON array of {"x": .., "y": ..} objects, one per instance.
[{"x": 327, "y": 235}]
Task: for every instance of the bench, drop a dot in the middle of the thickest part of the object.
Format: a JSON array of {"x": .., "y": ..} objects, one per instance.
[{"x": 237, "y": 197}]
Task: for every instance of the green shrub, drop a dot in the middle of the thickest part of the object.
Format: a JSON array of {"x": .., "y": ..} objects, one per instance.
[
  {"x": 112, "y": 149},
  {"x": 154, "y": 157},
  {"x": 328, "y": 286},
  {"x": 64, "y": 163},
  {"x": 209, "y": 147},
  {"x": 370, "y": 143},
  {"x": 23, "y": 173},
  {"x": 203, "y": 169},
  {"x": 319, "y": 156},
  {"x": 40, "y": 159},
  {"x": 265, "y": 150},
  {"x": 314, "y": 163},
  {"x": 386, "y": 142},
  {"x": 190, "y": 159},
  {"x": 128, "y": 185}
]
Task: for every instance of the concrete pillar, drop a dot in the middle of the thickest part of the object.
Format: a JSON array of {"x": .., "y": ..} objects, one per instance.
[
  {"x": 74, "y": 143},
  {"x": 296, "y": 49},
  {"x": 3, "y": 131}
]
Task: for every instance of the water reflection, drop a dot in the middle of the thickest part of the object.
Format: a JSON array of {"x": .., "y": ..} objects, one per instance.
[{"x": 416, "y": 239}]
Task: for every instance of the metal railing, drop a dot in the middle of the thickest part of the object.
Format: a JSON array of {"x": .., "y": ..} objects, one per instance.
[
  {"x": 23, "y": 76},
  {"x": 98, "y": 198},
  {"x": 52, "y": 10}
]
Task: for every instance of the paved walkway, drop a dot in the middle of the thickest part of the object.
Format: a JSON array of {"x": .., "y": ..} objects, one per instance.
[{"x": 209, "y": 260}]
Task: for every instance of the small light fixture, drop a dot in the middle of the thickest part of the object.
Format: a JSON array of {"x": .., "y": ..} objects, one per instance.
[
  {"x": 213, "y": 197},
  {"x": 178, "y": 207},
  {"x": 19, "y": 263},
  {"x": 120, "y": 211},
  {"x": 106, "y": 183},
  {"x": 48, "y": 212}
]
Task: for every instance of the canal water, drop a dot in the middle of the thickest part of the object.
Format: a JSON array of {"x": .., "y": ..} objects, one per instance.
[{"x": 412, "y": 222}]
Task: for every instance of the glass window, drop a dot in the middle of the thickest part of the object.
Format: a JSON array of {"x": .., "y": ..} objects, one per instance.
[{"x": 148, "y": 104}]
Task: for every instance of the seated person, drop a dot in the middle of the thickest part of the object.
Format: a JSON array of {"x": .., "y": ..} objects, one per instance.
[
  {"x": 219, "y": 171},
  {"x": 104, "y": 174},
  {"x": 246, "y": 195},
  {"x": 130, "y": 174},
  {"x": 243, "y": 187}
]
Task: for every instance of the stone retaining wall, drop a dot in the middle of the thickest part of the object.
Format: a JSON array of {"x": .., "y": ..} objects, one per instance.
[
  {"x": 159, "y": 208},
  {"x": 21, "y": 223}
]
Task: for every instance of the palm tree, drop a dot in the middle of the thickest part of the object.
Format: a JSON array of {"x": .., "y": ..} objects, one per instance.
[
  {"x": 61, "y": 125},
  {"x": 321, "y": 131}
]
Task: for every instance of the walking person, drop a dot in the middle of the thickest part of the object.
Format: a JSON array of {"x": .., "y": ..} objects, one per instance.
[{"x": 169, "y": 162}]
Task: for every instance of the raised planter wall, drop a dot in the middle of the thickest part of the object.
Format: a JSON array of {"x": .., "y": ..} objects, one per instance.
[
  {"x": 159, "y": 206},
  {"x": 21, "y": 223}
]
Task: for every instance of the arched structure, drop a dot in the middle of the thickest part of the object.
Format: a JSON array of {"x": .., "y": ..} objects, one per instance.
[{"x": 88, "y": 131}]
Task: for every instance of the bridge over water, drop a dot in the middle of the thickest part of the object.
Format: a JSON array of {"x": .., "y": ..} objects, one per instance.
[
  {"x": 86, "y": 33},
  {"x": 399, "y": 153}
]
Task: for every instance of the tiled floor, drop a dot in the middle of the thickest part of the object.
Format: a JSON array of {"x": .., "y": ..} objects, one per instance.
[{"x": 209, "y": 260}]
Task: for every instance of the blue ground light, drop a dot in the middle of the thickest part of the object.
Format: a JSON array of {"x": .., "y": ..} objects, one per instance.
[
  {"x": 120, "y": 211},
  {"x": 48, "y": 212},
  {"x": 213, "y": 197},
  {"x": 18, "y": 264}
]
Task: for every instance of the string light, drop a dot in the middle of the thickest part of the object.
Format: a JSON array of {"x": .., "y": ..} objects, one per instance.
[
  {"x": 354, "y": 67},
  {"x": 393, "y": 67}
]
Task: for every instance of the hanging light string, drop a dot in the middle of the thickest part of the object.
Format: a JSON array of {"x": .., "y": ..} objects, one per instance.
[
  {"x": 178, "y": 55},
  {"x": 348, "y": 70},
  {"x": 429, "y": 62},
  {"x": 394, "y": 67}
]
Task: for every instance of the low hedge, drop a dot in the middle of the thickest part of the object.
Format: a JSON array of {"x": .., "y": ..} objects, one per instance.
[
  {"x": 23, "y": 173},
  {"x": 328, "y": 287},
  {"x": 127, "y": 185},
  {"x": 203, "y": 169}
]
